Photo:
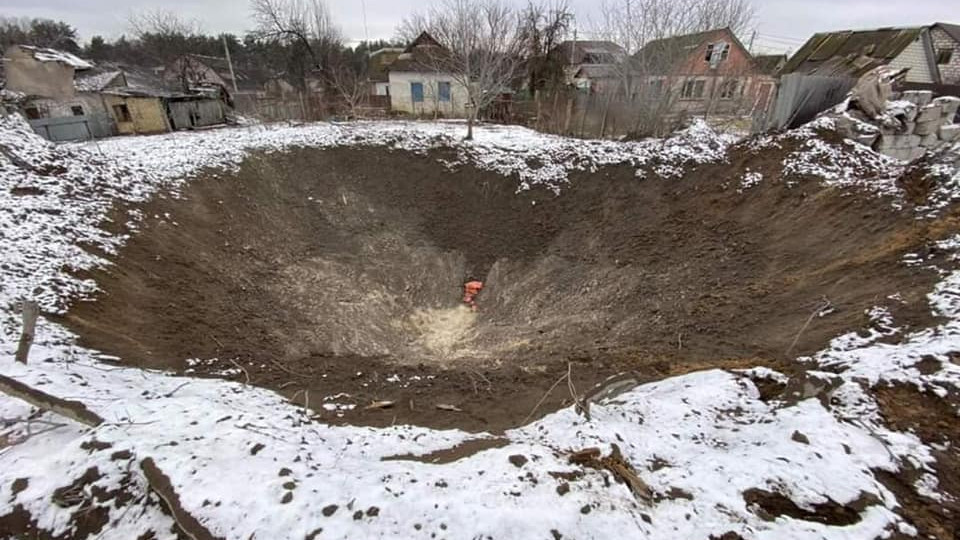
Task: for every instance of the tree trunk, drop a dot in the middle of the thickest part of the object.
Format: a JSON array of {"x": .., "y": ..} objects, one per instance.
[{"x": 470, "y": 119}]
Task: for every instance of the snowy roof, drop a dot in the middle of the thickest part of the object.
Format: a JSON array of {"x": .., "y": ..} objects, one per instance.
[
  {"x": 96, "y": 82},
  {"x": 41, "y": 54}
]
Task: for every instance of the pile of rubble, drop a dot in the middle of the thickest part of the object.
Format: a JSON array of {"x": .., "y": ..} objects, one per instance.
[
  {"x": 912, "y": 123},
  {"x": 901, "y": 125}
]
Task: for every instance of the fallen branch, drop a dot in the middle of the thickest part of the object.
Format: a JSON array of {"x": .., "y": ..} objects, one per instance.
[
  {"x": 820, "y": 307},
  {"x": 73, "y": 410},
  {"x": 161, "y": 485},
  {"x": 617, "y": 465},
  {"x": 246, "y": 374},
  {"x": 545, "y": 396}
]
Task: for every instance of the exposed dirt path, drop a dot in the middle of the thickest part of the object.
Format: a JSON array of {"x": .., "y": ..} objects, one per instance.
[{"x": 340, "y": 271}]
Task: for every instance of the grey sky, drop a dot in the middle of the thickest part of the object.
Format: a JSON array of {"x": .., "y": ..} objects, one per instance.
[{"x": 782, "y": 24}]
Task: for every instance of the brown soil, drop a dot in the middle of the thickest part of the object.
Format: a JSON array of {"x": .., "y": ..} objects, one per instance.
[
  {"x": 934, "y": 421},
  {"x": 329, "y": 271}
]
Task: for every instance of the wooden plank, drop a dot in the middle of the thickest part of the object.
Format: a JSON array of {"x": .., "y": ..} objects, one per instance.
[{"x": 73, "y": 410}]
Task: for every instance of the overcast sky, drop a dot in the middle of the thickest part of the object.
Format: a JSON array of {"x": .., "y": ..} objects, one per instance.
[{"x": 782, "y": 25}]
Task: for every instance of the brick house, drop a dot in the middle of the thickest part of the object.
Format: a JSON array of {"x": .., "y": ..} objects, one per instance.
[
  {"x": 946, "y": 48},
  {"x": 707, "y": 73}
]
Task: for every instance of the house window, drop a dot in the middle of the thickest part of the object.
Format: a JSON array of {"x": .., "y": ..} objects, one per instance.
[
  {"x": 416, "y": 90},
  {"x": 693, "y": 89},
  {"x": 655, "y": 88},
  {"x": 717, "y": 52},
  {"x": 77, "y": 110},
  {"x": 33, "y": 113},
  {"x": 944, "y": 56},
  {"x": 122, "y": 113},
  {"x": 443, "y": 90},
  {"x": 729, "y": 89}
]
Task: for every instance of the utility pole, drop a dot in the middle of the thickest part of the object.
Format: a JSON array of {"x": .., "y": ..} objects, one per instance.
[
  {"x": 233, "y": 76},
  {"x": 753, "y": 36}
]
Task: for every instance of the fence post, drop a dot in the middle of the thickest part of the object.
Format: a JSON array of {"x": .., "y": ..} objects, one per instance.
[{"x": 30, "y": 312}]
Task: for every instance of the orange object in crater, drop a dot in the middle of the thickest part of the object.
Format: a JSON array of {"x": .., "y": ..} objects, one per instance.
[{"x": 470, "y": 291}]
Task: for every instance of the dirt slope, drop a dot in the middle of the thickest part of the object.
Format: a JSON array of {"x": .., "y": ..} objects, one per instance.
[{"x": 328, "y": 271}]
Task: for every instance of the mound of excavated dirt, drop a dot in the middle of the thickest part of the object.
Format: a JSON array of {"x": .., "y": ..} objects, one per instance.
[{"x": 324, "y": 271}]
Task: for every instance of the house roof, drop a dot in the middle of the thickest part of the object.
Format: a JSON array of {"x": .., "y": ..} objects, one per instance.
[
  {"x": 953, "y": 30},
  {"x": 663, "y": 54},
  {"x": 97, "y": 79},
  {"x": 575, "y": 52},
  {"x": 420, "y": 56},
  {"x": 42, "y": 54},
  {"x": 851, "y": 52},
  {"x": 597, "y": 71},
  {"x": 770, "y": 64}
]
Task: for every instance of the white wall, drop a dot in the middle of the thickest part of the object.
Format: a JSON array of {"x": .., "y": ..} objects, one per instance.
[
  {"x": 401, "y": 98},
  {"x": 949, "y": 73},
  {"x": 915, "y": 57}
]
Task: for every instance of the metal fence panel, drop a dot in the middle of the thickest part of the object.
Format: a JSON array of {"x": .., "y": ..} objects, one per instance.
[{"x": 73, "y": 128}]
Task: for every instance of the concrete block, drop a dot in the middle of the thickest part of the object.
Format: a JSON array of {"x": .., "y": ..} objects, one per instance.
[
  {"x": 930, "y": 112},
  {"x": 929, "y": 141},
  {"x": 905, "y": 154},
  {"x": 844, "y": 126},
  {"x": 867, "y": 139},
  {"x": 899, "y": 141},
  {"x": 920, "y": 97},
  {"x": 949, "y": 132},
  {"x": 926, "y": 128},
  {"x": 950, "y": 105},
  {"x": 905, "y": 110}
]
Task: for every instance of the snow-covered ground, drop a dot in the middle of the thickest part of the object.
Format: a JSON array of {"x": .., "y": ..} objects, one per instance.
[{"x": 248, "y": 464}]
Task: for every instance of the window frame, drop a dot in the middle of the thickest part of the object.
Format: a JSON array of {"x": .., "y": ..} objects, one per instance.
[
  {"x": 413, "y": 93},
  {"x": 724, "y": 52},
  {"x": 122, "y": 112},
  {"x": 698, "y": 86},
  {"x": 75, "y": 108},
  {"x": 730, "y": 89},
  {"x": 944, "y": 56},
  {"x": 444, "y": 97}
]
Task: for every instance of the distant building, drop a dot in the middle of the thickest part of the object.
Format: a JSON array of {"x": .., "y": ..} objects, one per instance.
[
  {"x": 378, "y": 69},
  {"x": 418, "y": 87},
  {"x": 707, "y": 73},
  {"x": 770, "y": 64},
  {"x": 590, "y": 65},
  {"x": 197, "y": 71}
]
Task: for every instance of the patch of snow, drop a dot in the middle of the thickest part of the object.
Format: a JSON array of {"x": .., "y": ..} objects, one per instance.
[{"x": 43, "y": 54}]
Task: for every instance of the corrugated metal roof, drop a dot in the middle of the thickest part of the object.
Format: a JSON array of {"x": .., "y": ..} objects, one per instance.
[{"x": 833, "y": 49}]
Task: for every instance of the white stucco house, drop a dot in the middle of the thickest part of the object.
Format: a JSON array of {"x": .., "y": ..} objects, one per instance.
[{"x": 419, "y": 87}]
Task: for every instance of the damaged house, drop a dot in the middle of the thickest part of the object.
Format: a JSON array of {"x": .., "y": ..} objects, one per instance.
[{"x": 66, "y": 98}]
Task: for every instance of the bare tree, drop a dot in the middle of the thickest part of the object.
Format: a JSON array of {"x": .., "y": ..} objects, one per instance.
[
  {"x": 544, "y": 24},
  {"x": 482, "y": 48},
  {"x": 306, "y": 22},
  {"x": 634, "y": 23},
  {"x": 351, "y": 84}
]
